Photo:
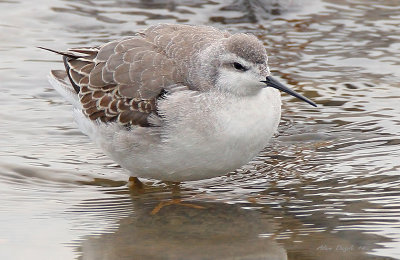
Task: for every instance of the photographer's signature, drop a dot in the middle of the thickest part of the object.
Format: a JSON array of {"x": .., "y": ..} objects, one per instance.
[{"x": 342, "y": 248}]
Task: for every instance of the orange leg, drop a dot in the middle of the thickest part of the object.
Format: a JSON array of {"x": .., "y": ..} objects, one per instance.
[{"x": 174, "y": 202}]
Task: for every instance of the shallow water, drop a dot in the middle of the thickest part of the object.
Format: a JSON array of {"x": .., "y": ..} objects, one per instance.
[{"x": 327, "y": 187}]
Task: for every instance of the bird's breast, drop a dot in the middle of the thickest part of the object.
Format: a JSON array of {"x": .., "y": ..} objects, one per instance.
[
  {"x": 224, "y": 131},
  {"x": 248, "y": 123}
]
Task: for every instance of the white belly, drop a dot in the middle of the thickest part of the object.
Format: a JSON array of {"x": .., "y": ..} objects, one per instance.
[{"x": 204, "y": 136}]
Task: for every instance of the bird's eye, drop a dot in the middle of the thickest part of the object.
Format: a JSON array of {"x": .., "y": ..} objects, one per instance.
[{"x": 239, "y": 66}]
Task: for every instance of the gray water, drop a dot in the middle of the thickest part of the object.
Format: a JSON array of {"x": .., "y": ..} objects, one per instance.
[{"x": 327, "y": 187}]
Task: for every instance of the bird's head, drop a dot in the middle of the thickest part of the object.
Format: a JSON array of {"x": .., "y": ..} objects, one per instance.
[{"x": 239, "y": 65}]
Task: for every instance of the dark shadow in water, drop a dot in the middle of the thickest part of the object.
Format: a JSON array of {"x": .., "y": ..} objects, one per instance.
[
  {"x": 219, "y": 231},
  {"x": 204, "y": 228}
]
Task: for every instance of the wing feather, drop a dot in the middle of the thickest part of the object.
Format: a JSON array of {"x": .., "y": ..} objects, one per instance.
[{"x": 121, "y": 81}]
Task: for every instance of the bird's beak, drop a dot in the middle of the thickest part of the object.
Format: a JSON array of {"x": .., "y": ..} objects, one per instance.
[{"x": 271, "y": 82}]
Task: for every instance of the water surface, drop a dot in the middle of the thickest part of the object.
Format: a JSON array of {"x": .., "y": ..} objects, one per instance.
[{"x": 327, "y": 187}]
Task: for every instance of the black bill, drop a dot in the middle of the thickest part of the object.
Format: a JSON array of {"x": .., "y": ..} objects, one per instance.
[{"x": 271, "y": 82}]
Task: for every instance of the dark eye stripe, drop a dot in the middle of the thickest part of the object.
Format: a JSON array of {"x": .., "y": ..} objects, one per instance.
[{"x": 239, "y": 66}]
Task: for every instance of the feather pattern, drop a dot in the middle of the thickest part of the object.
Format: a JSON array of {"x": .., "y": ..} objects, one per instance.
[{"x": 121, "y": 81}]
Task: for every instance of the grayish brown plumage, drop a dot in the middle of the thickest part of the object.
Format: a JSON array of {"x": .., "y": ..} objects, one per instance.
[{"x": 122, "y": 80}]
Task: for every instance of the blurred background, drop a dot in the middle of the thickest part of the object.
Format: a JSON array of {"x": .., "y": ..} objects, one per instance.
[{"x": 327, "y": 187}]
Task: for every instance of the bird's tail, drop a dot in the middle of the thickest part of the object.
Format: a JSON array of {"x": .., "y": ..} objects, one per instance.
[
  {"x": 61, "y": 83},
  {"x": 63, "y": 53}
]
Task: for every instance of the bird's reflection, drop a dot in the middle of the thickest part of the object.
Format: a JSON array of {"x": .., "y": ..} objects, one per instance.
[{"x": 212, "y": 230}]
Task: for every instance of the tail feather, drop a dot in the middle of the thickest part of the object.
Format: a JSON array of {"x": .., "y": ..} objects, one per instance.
[
  {"x": 60, "y": 82},
  {"x": 67, "y": 56},
  {"x": 64, "y": 53}
]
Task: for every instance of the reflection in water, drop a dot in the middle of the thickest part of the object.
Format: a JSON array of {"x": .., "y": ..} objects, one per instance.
[
  {"x": 326, "y": 187},
  {"x": 246, "y": 230},
  {"x": 219, "y": 231}
]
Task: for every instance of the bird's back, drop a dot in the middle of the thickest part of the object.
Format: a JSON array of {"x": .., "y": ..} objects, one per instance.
[{"x": 122, "y": 80}]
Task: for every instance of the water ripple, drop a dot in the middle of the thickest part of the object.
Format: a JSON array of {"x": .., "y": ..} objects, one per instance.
[{"x": 325, "y": 188}]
